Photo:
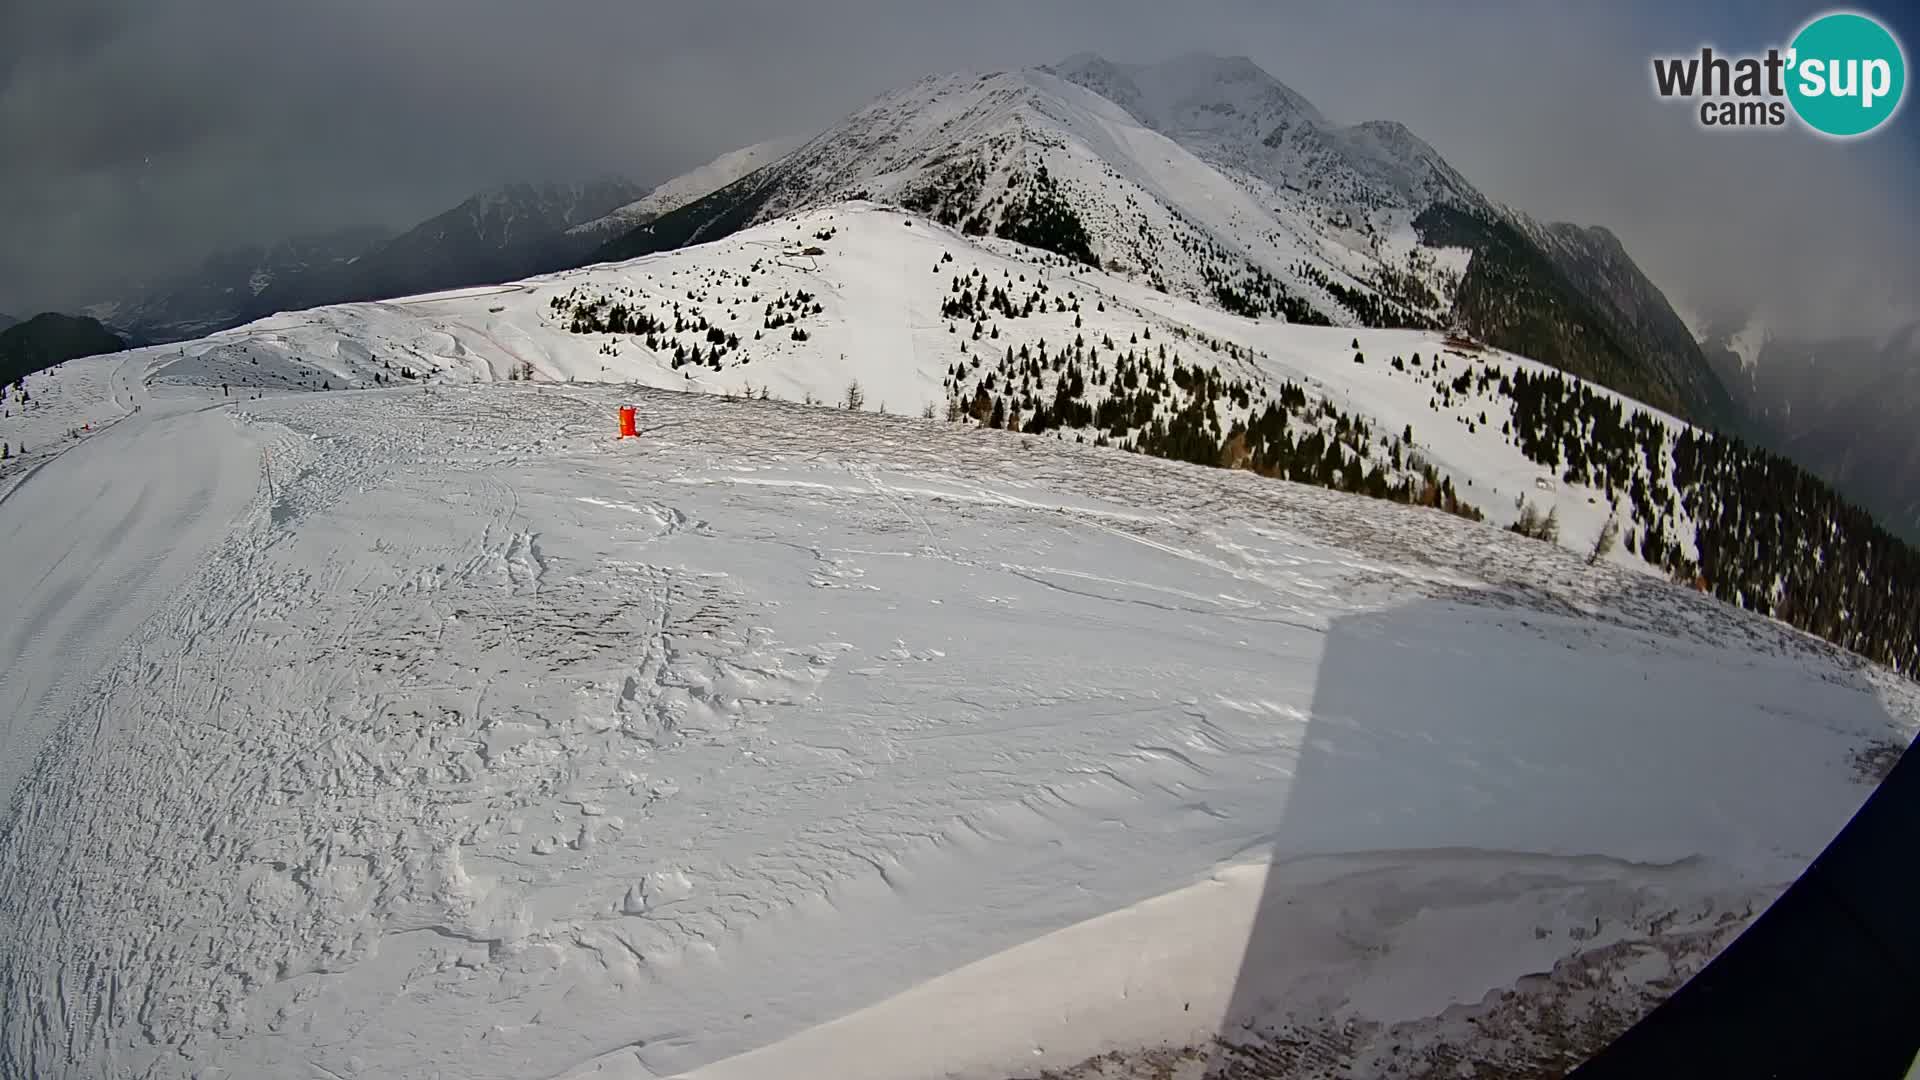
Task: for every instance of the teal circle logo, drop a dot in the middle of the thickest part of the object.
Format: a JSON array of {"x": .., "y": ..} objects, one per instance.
[{"x": 1846, "y": 74}]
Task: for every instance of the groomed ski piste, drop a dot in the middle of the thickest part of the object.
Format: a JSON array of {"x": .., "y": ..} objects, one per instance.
[{"x": 425, "y": 728}]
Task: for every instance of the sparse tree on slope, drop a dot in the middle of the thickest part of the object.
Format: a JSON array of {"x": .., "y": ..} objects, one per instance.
[{"x": 1603, "y": 544}]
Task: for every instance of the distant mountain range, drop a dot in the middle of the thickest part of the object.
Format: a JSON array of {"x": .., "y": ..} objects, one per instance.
[
  {"x": 6, "y": 320},
  {"x": 499, "y": 235},
  {"x": 226, "y": 288}
]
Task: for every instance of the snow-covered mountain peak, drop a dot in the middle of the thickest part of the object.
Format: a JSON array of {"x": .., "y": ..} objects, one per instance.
[
  {"x": 1234, "y": 113},
  {"x": 1208, "y": 178},
  {"x": 1199, "y": 92},
  {"x": 1061, "y": 158},
  {"x": 1402, "y": 169}
]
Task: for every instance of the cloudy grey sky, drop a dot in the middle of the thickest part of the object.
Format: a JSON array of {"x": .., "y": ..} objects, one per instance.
[{"x": 137, "y": 135}]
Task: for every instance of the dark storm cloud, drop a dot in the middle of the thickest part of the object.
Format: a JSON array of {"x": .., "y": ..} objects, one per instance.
[{"x": 139, "y": 134}]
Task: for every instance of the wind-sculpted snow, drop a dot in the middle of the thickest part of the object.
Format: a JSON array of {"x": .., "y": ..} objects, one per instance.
[{"x": 484, "y": 744}]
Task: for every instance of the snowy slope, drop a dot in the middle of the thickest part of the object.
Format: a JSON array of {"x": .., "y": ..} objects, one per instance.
[
  {"x": 63, "y": 405},
  {"x": 881, "y": 281},
  {"x": 687, "y": 187},
  {"x": 483, "y": 744}
]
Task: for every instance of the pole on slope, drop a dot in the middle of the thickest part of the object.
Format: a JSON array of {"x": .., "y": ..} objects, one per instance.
[{"x": 628, "y": 430}]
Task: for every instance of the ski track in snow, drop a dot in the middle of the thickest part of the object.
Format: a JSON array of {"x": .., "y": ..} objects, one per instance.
[
  {"x": 479, "y": 743},
  {"x": 87, "y": 396},
  {"x": 129, "y": 511}
]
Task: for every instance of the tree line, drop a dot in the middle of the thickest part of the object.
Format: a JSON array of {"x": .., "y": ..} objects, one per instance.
[{"x": 1743, "y": 523}]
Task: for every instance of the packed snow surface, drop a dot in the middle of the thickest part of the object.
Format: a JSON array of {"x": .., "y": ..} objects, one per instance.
[{"x": 433, "y": 731}]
